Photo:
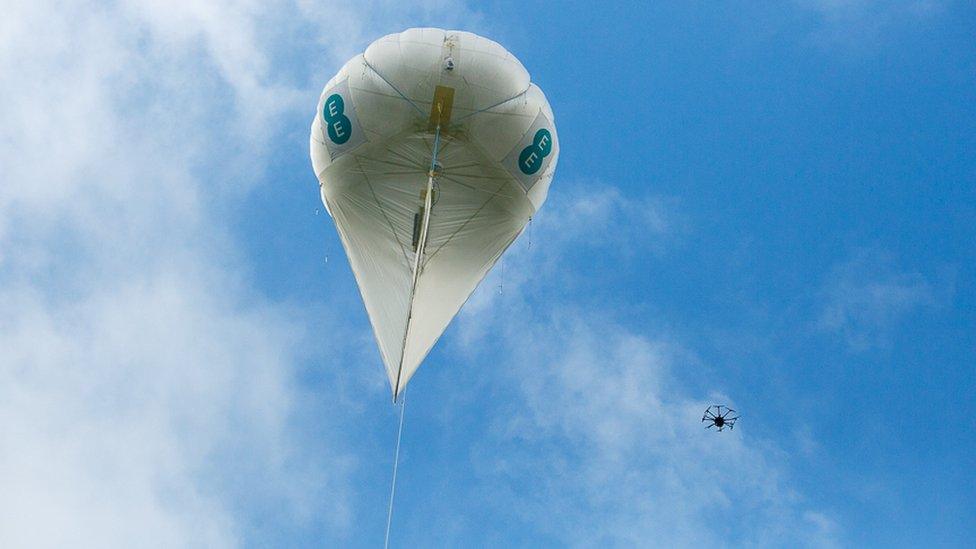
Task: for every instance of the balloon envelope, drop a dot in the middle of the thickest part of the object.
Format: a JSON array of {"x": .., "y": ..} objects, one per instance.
[{"x": 373, "y": 140}]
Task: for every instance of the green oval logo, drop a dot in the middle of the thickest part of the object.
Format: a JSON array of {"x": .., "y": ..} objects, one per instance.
[
  {"x": 531, "y": 157},
  {"x": 337, "y": 124}
]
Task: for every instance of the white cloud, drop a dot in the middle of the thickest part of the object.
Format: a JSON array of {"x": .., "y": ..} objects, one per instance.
[
  {"x": 643, "y": 468},
  {"x": 867, "y": 297},
  {"x": 146, "y": 390},
  {"x": 588, "y": 221},
  {"x": 118, "y": 407},
  {"x": 602, "y": 444}
]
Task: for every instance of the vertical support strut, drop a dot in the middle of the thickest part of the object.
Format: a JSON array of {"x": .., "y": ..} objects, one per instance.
[{"x": 421, "y": 246}]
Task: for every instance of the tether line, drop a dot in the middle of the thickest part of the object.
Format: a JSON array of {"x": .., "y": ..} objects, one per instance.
[{"x": 396, "y": 462}]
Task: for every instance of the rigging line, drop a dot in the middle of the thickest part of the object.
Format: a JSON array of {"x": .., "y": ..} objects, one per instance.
[
  {"x": 441, "y": 142},
  {"x": 459, "y": 183},
  {"x": 383, "y": 211},
  {"x": 372, "y": 160},
  {"x": 466, "y": 165},
  {"x": 502, "y": 177},
  {"x": 499, "y": 256},
  {"x": 383, "y": 78},
  {"x": 405, "y": 158},
  {"x": 514, "y": 97},
  {"x": 496, "y": 193},
  {"x": 396, "y": 463},
  {"x": 401, "y": 172}
]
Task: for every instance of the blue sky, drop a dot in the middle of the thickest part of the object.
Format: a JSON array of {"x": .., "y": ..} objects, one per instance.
[{"x": 765, "y": 206}]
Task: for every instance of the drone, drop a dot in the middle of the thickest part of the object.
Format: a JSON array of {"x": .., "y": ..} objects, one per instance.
[{"x": 718, "y": 415}]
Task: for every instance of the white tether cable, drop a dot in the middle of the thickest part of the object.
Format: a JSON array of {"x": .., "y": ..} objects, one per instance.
[{"x": 396, "y": 462}]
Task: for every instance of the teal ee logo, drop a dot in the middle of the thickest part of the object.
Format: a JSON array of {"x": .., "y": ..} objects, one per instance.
[
  {"x": 530, "y": 159},
  {"x": 336, "y": 123}
]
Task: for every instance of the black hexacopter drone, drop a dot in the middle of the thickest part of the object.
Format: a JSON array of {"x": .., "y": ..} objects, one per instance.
[{"x": 719, "y": 416}]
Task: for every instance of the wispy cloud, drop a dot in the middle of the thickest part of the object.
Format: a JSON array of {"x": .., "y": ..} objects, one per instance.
[
  {"x": 856, "y": 24},
  {"x": 131, "y": 412},
  {"x": 867, "y": 297},
  {"x": 146, "y": 389},
  {"x": 583, "y": 221},
  {"x": 600, "y": 426}
]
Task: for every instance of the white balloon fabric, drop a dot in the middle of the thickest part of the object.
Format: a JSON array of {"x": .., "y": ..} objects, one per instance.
[{"x": 448, "y": 111}]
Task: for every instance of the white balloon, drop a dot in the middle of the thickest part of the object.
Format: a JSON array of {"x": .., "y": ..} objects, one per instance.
[{"x": 417, "y": 256}]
